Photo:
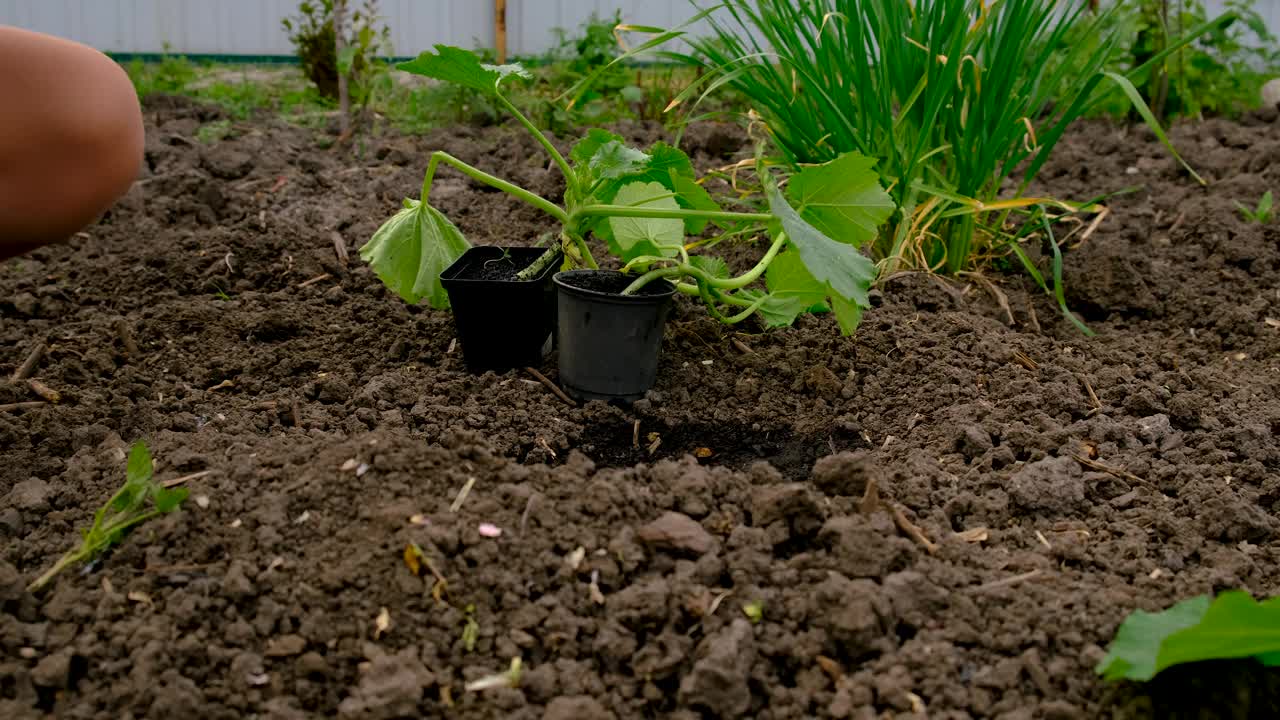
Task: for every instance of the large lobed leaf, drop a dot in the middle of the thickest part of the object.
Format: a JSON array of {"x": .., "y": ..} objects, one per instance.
[
  {"x": 460, "y": 67},
  {"x": 631, "y": 237},
  {"x": 842, "y": 199},
  {"x": 410, "y": 250},
  {"x": 844, "y": 273},
  {"x": 1233, "y": 626}
]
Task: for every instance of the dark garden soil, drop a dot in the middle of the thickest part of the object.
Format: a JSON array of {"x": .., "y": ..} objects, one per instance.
[{"x": 324, "y": 413}]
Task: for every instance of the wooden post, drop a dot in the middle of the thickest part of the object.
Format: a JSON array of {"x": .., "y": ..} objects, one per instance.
[{"x": 500, "y": 29}]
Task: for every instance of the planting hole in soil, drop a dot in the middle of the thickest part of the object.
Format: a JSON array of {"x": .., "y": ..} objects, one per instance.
[{"x": 947, "y": 514}]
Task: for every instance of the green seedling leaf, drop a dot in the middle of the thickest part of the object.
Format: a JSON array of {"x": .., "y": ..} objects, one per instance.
[
  {"x": 1135, "y": 650},
  {"x": 169, "y": 499},
  {"x": 634, "y": 237},
  {"x": 460, "y": 67},
  {"x": 140, "y": 467},
  {"x": 410, "y": 250},
  {"x": 842, "y": 199},
  {"x": 846, "y": 272},
  {"x": 126, "y": 509},
  {"x": 1234, "y": 626},
  {"x": 754, "y": 611}
]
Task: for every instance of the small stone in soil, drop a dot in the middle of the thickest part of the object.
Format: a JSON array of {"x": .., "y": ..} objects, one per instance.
[{"x": 677, "y": 532}]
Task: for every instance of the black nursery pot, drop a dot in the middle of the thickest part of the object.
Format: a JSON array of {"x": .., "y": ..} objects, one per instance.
[
  {"x": 502, "y": 322},
  {"x": 609, "y": 342}
]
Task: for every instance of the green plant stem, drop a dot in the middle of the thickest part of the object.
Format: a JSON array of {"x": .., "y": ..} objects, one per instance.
[
  {"x": 674, "y": 214},
  {"x": 580, "y": 243},
  {"x": 481, "y": 176},
  {"x": 63, "y": 563},
  {"x": 741, "y": 281},
  {"x": 538, "y": 265},
  {"x": 570, "y": 179}
]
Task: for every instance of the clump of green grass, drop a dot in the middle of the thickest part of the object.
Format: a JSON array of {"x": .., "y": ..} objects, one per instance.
[
  {"x": 962, "y": 101},
  {"x": 954, "y": 97},
  {"x": 137, "y": 501},
  {"x": 1262, "y": 214}
]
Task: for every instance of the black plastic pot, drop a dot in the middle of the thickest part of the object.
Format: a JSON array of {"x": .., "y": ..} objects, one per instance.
[
  {"x": 502, "y": 323},
  {"x": 609, "y": 342}
]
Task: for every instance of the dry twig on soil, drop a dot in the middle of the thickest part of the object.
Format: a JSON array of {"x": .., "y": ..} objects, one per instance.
[
  {"x": 551, "y": 386},
  {"x": 23, "y": 405},
  {"x": 1117, "y": 472},
  {"x": 340, "y": 248},
  {"x": 44, "y": 391},
  {"x": 28, "y": 366}
]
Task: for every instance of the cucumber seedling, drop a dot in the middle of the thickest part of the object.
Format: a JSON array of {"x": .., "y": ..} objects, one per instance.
[
  {"x": 138, "y": 500},
  {"x": 642, "y": 205}
]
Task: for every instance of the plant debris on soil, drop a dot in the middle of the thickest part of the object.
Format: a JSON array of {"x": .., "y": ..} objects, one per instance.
[{"x": 945, "y": 516}]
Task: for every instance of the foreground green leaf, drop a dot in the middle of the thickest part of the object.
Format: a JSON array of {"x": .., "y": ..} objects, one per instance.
[
  {"x": 410, "y": 250},
  {"x": 1232, "y": 626},
  {"x": 1235, "y": 626},
  {"x": 460, "y": 67},
  {"x": 1134, "y": 652}
]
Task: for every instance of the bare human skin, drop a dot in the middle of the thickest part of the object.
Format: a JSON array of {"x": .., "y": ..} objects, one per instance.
[{"x": 70, "y": 138}]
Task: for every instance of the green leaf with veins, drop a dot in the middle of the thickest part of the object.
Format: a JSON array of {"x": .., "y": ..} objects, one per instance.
[
  {"x": 410, "y": 250},
  {"x": 787, "y": 277},
  {"x": 845, "y": 272},
  {"x": 585, "y": 149},
  {"x": 711, "y": 265},
  {"x": 775, "y": 311},
  {"x": 460, "y": 67},
  {"x": 842, "y": 198},
  {"x": 633, "y": 237},
  {"x": 671, "y": 168},
  {"x": 614, "y": 160}
]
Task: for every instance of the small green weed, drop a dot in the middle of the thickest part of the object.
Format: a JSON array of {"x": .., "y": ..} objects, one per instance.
[
  {"x": 1263, "y": 214},
  {"x": 138, "y": 500},
  {"x": 1232, "y": 626},
  {"x": 213, "y": 132},
  {"x": 470, "y": 630}
]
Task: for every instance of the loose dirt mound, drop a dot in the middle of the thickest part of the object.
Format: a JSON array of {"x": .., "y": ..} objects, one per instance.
[{"x": 328, "y": 414}]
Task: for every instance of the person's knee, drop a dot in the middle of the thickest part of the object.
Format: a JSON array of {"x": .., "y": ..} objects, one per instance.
[
  {"x": 72, "y": 140},
  {"x": 104, "y": 141}
]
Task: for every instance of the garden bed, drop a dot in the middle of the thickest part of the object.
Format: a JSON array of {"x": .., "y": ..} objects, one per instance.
[{"x": 1063, "y": 480}]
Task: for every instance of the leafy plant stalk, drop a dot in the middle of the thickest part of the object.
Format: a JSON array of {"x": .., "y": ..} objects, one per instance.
[
  {"x": 642, "y": 206},
  {"x": 138, "y": 500}
]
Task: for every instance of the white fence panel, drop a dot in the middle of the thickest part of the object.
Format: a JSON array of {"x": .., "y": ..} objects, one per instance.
[{"x": 252, "y": 27}]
